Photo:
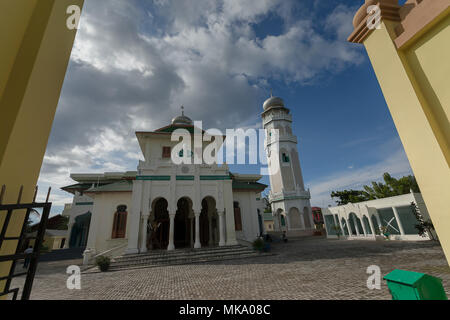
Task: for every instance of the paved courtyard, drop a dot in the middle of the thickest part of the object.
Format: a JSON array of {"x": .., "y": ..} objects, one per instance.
[{"x": 301, "y": 269}]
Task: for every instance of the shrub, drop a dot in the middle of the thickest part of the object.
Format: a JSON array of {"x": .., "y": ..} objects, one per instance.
[
  {"x": 103, "y": 263},
  {"x": 258, "y": 244}
]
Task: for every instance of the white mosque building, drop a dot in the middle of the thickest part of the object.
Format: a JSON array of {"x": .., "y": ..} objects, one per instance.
[{"x": 168, "y": 206}]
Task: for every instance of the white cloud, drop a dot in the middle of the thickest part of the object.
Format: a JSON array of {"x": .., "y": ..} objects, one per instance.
[
  {"x": 133, "y": 66},
  {"x": 396, "y": 163}
]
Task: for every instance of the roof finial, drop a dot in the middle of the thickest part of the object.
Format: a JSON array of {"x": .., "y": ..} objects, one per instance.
[
  {"x": 182, "y": 110},
  {"x": 271, "y": 92}
]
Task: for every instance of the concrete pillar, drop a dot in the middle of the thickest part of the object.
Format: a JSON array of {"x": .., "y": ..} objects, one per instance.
[
  {"x": 371, "y": 226},
  {"x": 399, "y": 223},
  {"x": 144, "y": 236},
  {"x": 197, "y": 244},
  {"x": 171, "y": 245},
  {"x": 356, "y": 225},
  {"x": 377, "y": 216},
  {"x": 363, "y": 227},
  {"x": 135, "y": 218},
  {"x": 34, "y": 53},
  {"x": 221, "y": 228}
]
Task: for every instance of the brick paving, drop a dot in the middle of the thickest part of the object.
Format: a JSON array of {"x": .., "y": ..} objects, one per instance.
[{"x": 301, "y": 269}]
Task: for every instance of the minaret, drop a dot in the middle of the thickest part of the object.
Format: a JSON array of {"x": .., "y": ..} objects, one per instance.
[{"x": 289, "y": 200}]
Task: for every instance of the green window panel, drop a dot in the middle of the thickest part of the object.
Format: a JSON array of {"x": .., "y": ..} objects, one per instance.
[{"x": 408, "y": 219}]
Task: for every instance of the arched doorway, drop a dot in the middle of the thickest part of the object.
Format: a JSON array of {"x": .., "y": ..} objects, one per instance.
[
  {"x": 160, "y": 225},
  {"x": 295, "y": 219},
  {"x": 80, "y": 231},
  {"x": 209, "y": 222},
  {"x": 351, "y": 222},
  {"x": 366, "y": 223},
  {"x": 182, "y": 223}
]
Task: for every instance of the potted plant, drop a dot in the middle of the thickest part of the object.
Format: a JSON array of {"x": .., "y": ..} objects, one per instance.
[
  {"x": 103, "y": 263},
  {"x": 384, "y": 232},
  {"x": 259, "y": 244}
]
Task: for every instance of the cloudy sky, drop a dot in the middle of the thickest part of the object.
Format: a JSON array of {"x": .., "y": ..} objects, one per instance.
[{"x": 135, "y": 62}]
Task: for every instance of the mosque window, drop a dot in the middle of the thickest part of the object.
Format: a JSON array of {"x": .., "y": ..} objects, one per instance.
[
  {"x": 120, "y": 223},
  {"x": 166, "y": 152},
  {"x": 286, "y": 158}
]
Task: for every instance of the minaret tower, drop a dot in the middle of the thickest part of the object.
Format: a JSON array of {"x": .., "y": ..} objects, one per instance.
[{"x": 289, "y": 200}]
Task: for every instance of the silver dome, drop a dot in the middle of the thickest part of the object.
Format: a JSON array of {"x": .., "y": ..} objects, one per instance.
[
  {"x": 273, "y": 102},
  {"x": 182, "y": 120}
]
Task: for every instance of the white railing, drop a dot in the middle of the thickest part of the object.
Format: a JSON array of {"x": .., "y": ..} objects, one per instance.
[{"x": 111, "y": 253}]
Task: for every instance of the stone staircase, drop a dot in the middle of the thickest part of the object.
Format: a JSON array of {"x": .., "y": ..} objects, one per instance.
[{"x": 182, "y": 256}]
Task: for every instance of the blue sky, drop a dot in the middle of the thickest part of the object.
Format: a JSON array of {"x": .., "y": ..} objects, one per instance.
[{"x": 136, "y": 62}]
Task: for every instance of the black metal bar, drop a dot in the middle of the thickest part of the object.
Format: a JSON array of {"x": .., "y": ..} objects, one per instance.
[
  {"x": 37, "y": 249},
  {"x": 5, "y": 226},
  {"x": 11, "y": 257},
  {"x": 13, "y": 291},
  {"x": 5, "y": 207},
  {"x": 13, "y": 276},
  {"x": 18, "y": 247}
]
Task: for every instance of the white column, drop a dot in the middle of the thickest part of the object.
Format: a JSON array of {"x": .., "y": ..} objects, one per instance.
[
  {"x": 144, "y": 222},
  {"x": 364, "y": 227},
  {"x": 377, "y": 216},
  {"x": 371, "y": 226},
  {"x": 135, "y": 219},
  {"x": 356, "y": 225},
  {"x": 229, "y": 214},
  {"x": 399, "y": 223},
  {"x": 342, "y": 227},
  {"x": 171, "y": 245},
  {"x": 221, "y": 228},
  {"x": 197, "y": 244}
]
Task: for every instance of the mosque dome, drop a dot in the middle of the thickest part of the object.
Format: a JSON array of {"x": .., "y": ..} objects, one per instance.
[
  {"x": 182, "y": 120},
  {"x": 273, "y": 102}
]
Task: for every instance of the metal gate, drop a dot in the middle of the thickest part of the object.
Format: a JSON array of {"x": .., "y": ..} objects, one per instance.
[{"x": 33, "y": 257}]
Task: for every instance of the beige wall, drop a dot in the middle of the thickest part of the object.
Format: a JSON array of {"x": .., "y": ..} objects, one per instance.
[{"x": 35, "y": 50}]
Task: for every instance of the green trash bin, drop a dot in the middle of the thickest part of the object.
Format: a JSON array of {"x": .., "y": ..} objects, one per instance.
[{"x": 408, "y": 285}]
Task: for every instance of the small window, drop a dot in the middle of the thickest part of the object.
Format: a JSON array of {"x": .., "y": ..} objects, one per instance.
[
  {"x": 120, "y": 223},
  {"x": 286, "y": 158},
  {"x": 166, "y": 152}
]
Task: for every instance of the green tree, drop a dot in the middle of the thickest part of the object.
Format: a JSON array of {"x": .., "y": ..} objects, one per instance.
[
  {"x": 392, "y": 187},
  {"x": 348, "y": 196},
  {"x": 378, "y": 190}
]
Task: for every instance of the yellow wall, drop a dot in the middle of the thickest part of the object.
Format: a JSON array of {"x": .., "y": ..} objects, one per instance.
[
  {"x": 35, "y": 49},
  {"x": 415, "y": 82}
]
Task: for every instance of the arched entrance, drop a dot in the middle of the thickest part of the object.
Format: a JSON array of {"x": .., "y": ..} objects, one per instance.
[
  {"x": 295, "y": 219},
  {"x": 182, "y": 224},
  {"x": 160, "y": 225},
  {"x": 80, "y": 231},
  {"x": 209, "y": 231}
]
